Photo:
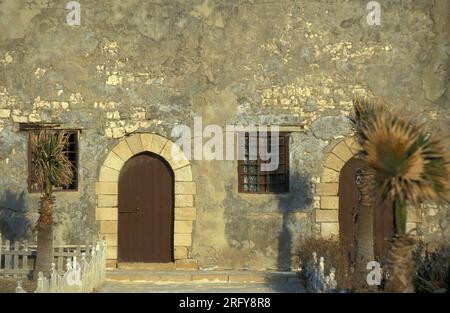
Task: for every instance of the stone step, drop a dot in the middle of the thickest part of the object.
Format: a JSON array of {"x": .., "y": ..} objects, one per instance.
[
  {"x": 147, "y": 266},
  {"x": 120, "y": 275}
]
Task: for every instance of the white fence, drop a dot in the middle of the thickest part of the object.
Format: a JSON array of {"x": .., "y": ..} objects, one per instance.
[
  {"x": 316, "y": 280},
  {"x": 75, "y": 268},
  {"x": 83, "y": 276}
]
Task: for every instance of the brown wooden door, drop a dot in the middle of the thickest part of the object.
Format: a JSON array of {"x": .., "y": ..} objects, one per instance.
[
  {"x": 348, "y": 207},
  {"x": 146, "y": 204}
]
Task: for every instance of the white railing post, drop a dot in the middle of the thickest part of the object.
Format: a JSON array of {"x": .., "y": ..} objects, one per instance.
[
  {"x": 316, "y": 280},
  {"x": 53, "y": 279},
  {"x": 40, "y": 283}
]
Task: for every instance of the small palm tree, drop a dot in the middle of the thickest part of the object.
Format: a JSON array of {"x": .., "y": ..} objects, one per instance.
[
  {"x": 51, "y": 167},
  {"x": 410, "y": 167}
]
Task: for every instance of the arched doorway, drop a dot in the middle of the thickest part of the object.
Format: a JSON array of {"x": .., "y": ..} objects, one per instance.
[
  {"x": 146, "y": 210},
  {"x": 107, "y": 189}
]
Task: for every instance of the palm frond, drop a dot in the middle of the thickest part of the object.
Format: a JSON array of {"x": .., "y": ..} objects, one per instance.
[
  {"x": 364, "y": 113},
  {"x": 410, "y": 165},
  {"x": 50, "y": 160}
]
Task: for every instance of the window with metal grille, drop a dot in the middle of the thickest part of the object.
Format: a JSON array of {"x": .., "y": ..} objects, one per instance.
[
  {"x": 72, "y": 153},
  {"x": 251, "y": 178}
]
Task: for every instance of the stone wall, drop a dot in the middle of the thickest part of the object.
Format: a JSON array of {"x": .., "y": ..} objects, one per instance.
[{"x": 138, "y": 66}]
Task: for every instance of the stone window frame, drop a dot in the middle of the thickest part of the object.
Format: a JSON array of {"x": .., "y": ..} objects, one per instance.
[
  {"x": 326, "y": 199},
  {"x": 106, "y": 190}
]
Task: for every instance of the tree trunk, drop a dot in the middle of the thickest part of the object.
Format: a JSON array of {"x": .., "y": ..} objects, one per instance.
[
  {"x": 364, "y": 231},
  {"x": 44, "y": 257},
  {"x": 400, "y": 265}
]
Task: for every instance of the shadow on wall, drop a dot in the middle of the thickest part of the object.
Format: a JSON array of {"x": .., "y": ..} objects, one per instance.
[
  {"x": 299, "y": 199},
  {"x": 14, "y": 224}
]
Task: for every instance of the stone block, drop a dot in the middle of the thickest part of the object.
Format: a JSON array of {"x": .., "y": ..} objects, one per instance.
[
  {"x": 180, "y": 253},
  {"x": 182, "y": 227},
  {"x": 111, "y": 252},
  {"x": 327, "y": 216},
  {"x": 186, "y": 264},
  {"x": 178, "y": 161},
  {"x": 146, "y": 140},
  {"x": 183, "y": 174},
  {"x": 111, "y": 239},
  {"x": 123, "y": 151},
  {"x": 182, "y": 240},
  {"x": 330, "y": 230},
  {"x": 185, "y": 188},
  {"x": 185, "y": 214},
  {"x": 135, "y": 144},
  {"x": 329, "y": 202},
  {"x": 113, "y": 161},
  {"x": 327, "y": 189},
  {"x": 106, "y": 201},
  {"x": 158, "y": 144},
  {"x": 329, "y": 176},
  {"x": 108, "y": 227},
  {"x": 343, "y": 152},
  {"x": 112, "y": 263},
  {"x": 166, "y": 152},
  {"x": 333, "y": 162},
  {"x": 184, "y": 201},
  {"x": 353, "y": 145},
  {"x": 106, "y": 214},
  {"x": 106, "y": 188},
  {"x": 108, "y": 174},
  {"x": 5, "y": 113}
]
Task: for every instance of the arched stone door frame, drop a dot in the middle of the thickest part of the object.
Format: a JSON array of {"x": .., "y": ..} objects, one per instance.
[
  {"x": 106, "y": 190},
  {"x": 326, "y": 213},
  {"x": 327, "y": 189}
]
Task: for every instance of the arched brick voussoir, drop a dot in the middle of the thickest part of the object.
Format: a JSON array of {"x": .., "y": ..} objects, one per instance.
[
  {"x": 157, "y": 144},
  {"x": 122, "y": 150},
  {"x": 178, "y": 161},
  {"x": 108, "y": 174},
  {"x": 183, "y": 174},
  {"x": 353, "y": 145},
  {"x": 135, "y": 144},
  {"x": 168, "y": 150},
  {"x": 333, "y": 162},
  {"x": 342, "y": 151},
  {"x": 113, "y": 161},
  {"x": 146, "y": 140}
]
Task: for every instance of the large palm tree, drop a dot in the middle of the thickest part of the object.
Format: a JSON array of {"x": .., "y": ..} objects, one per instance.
[
  {"x": 410, "y": 167},
  {"x": 364, "y": 114},
  {"x": 51, "y": 167}
]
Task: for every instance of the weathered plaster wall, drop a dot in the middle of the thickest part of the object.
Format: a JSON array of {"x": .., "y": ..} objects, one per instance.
[{"x": 138, "y": 66}]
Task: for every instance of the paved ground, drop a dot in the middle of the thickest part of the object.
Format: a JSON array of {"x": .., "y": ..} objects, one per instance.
[
  {"x": 8, "y": 285},
  {"x": 200, "y": 287},
  {"x": 147, "y": 281}
]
